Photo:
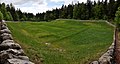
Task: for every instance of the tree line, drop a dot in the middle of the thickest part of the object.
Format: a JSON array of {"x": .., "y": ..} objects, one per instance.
[
  {"x": 84, "y": 11},
  {"x": 104, "y": 9},
  {"x": 9, "y": 13}
]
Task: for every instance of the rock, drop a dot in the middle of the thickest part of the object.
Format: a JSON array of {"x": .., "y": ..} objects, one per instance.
[
  {"x": 4, "y": 34},
  {"x": 23, "y": 57},
  {"x": 110, "y": 52},
  {"x": 41, "y": 59},
  {"x": 4, "y": 27},
  {"x": 105, "y": 60},
  {"x": 4, "y": 23},
  {"x": 18, "y": 61},
  {"x": 5, "y": 31},
  {"x": 15, "y": 52},
  {"x": 4, "y": 56},
  {"x": 7, "y": 37},
  {"x": 8, "y": 41},
  {"x": 111, "y": 47},
  {"x": 5, "y": 46},
  {"x": 95, "y": 62},
  {"x": 15, "y": 46}
]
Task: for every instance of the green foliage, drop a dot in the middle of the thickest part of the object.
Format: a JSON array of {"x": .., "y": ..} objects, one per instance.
[
  {"x": 112, "y": 10},
  {"x": 117, "y": 18},
  {"x": 1, "y": 16},
  {"x": 75, "y": 12},
  {"x": 7, "y": 17},
  {"x": 98, "y": 10},
  {"x": 63, "y": 41},
  {"x": 10, "y": 16}
]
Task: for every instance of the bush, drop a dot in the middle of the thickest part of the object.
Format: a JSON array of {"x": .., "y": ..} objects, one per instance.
[
  {"x": 1, "y": 16},
  {"x": 117, "y": 18}
]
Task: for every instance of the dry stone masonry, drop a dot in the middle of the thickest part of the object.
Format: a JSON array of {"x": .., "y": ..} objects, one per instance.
[
  {"x": 106, "y": 58},
  {"x": 10, "y": 52}
]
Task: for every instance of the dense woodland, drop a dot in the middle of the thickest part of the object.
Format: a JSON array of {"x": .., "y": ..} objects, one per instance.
[{"x": 104, "y": 9}]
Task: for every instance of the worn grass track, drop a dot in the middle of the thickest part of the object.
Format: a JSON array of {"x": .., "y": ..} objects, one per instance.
[{"x": 62, "y": 41}]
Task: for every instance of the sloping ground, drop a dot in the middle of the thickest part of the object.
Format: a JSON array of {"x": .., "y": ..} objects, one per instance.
[{"x": 63, "y": 41}]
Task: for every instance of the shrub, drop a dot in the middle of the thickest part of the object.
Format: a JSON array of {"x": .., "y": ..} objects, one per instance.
[{"x": 1, "y": 16}]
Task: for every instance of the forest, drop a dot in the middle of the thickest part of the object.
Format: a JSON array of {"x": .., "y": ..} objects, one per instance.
[{"x": 90, "y": 10}]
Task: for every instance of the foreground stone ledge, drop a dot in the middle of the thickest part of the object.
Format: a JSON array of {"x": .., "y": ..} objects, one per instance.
[
  {"x": 18, "y": 61},
  {"x": 10, "y": 52}
]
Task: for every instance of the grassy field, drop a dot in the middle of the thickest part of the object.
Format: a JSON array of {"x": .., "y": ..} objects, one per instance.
[{"x": 62, "y": 41}]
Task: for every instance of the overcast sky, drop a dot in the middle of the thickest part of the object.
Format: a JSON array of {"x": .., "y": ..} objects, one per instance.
[{"x": 35, "y": 6}]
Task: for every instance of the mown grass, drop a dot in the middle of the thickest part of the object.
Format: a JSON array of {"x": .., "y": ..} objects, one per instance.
[{"x": 62, "y": 41}]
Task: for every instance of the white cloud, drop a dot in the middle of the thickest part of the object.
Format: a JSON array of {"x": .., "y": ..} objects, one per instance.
[
  {"x": 35, "y": 6},
  {"x": 69, "y": 1}
]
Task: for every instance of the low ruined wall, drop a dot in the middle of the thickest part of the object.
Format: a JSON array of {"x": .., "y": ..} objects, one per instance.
[{"x": 10, "y": 52}]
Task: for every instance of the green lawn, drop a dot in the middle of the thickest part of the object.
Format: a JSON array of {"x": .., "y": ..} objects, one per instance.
[{"x": 62, "y": 41}]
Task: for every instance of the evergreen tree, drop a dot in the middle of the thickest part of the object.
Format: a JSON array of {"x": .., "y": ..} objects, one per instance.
[
  {"x": 98, "y": 11},
  {"x": 118, "y": 3},
  {"x": 70, "y": 11},
  {"x": 111, "y": 9},
  {"x": 89, "y": 9},
  {"x": 14, "y": 13},
  {"x": 75, "y": 12},
  {"x": 7, "y": 17},
  {"x": 4, "y": 11},
  {"x": 10, "y": 16},
  {"x": 105, "y": 9}
]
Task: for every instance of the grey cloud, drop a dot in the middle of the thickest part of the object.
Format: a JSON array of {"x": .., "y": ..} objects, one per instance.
[
  {"x": 27, "y": 1},
  {"x": 20, "y": 2}
]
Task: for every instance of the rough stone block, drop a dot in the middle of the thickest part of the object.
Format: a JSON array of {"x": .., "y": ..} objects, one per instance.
[
  {"x": 8, "y": 41},
  {"x": 18, "y": 61},
  {"x": 4, "y": 27},
  {"x": 7, "y": 37},
  {"x": 5, "y": 31},
  {"x": 94, "y": 62},
  {"x": 5, "y": 46},
  {"x": 15, "y": 52}
]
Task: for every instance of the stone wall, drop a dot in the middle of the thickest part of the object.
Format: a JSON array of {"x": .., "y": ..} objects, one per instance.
[{"x": 10, "y": 52}]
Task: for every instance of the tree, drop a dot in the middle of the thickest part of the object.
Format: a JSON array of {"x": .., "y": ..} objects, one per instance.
[
  {"x": 4, "y": 11},
  {"x": 82, "y": 11},
  {"x": 10, "y": 16},
  {"x": 49, "y": 16},
  {"x": 40, "y": 16},
  {"x": 111, "y": 8},
  {"x": 7, "y": 17},
  {"x": 63, "y": 12},
  {"x": 105, "y": 9},
  {"x": 1, "y": 16},
  {"x": 70, "y": 11},
  {"x": 117, "y": 18},
  {"x": 98, "y": 11},
  {"x": 89, "y": 9},
  {"x": 118, "y": 3},
  {"x": 14, "y": 13},
  {"x": 75, "y": 12}
]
